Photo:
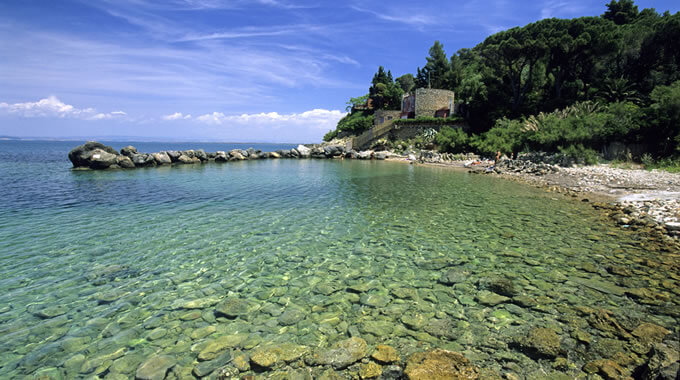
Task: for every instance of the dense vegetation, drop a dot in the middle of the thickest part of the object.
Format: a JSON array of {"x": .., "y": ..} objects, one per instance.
[{"x": 570, "y": 85}]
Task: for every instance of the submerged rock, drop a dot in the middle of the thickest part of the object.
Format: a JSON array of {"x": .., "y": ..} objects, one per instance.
[
  {"x": 155, "y": 367},
  {"x": 341, "y": 355},
  {"x": 440, "y": 364},
  {"x": 233, "y": 307},
  {"x": 275, "y": 355},
  {"x": 385, "y": 354},
  {"x": 540, "y": 342}
]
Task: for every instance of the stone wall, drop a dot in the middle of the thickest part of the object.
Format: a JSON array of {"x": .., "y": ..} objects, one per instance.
[
  {"x": 385, "y": 117},
  {"x": 409, "y": 131},
  {"x": 429, "y": 100}
]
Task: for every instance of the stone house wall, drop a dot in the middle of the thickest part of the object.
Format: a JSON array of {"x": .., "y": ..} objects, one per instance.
[
  {"x": 409, "y": 131},
  {"x": 385, "y": 117},
  {"x": 429, "y": 100}
]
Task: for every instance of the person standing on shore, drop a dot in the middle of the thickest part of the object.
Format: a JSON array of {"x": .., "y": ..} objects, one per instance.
[{"x": 498, "y": 158}]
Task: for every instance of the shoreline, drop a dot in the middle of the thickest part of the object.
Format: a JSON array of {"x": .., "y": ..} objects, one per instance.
[{"x": 631, "y": 198}]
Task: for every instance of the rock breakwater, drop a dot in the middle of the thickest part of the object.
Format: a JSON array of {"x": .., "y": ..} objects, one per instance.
[{"x": 96, "y": 156}]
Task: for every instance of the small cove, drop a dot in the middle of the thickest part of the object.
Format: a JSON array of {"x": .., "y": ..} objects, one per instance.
[{"x": 99, "y": 268}]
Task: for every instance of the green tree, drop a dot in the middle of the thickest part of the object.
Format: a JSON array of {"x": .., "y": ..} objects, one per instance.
[
  {"x": 621, "y": 12},
  {"x": 436, "y": 72},
  {"x": 663, "y": 132},
  {"x": 406, "y": 82},
  {"x": 384, "y": 92},
  {"x": 514, "y": 56},
  {"x": 353, "y": 102}
]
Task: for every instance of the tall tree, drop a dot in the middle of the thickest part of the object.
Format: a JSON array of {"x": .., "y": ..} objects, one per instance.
[
  {"x": 436, "y": 72},
  {"x": 406, "y": 82},
  {"x": 384, "y": 92},
  {"x": 621, "y": 12},
  {"x": 514, "y": 55}
]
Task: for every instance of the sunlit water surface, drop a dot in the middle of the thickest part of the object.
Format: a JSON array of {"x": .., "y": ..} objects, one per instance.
[{"x": 96, "y": 267}]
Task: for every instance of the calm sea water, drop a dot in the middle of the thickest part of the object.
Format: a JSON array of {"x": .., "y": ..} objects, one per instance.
[{"x": 101, "y": 270}]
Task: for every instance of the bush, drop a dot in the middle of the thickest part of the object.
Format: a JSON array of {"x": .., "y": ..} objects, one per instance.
[
  {"x": 452, "y": 140},
  {"x": 507, "y": 136},
  {"x": 355, "y": 123},
  {"x": 330, "y": 135},
  {"x": 580, "y": 154}
]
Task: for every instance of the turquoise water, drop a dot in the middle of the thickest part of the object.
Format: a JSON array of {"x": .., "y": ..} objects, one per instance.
[{"x": 97, "y": 268}]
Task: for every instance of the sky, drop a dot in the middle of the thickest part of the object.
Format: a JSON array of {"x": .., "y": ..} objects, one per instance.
[{"x": 226, "y": 70}]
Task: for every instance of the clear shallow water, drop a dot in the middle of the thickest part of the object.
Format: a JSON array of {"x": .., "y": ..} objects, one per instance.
[{"x": 97, "y": 267}]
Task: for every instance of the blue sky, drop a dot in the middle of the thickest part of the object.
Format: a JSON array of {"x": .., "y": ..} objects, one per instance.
[{"x": 228, "y": 70}]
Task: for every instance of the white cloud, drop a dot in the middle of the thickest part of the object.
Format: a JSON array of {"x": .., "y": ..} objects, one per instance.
[
  {"x": 53, "y": 107},
  {"x": 316, "y": 118},
  {"x": 177, "y": 116}
]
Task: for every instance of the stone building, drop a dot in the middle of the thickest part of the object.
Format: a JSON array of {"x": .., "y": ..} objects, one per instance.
[
  {"x": 427, "y": 102},
  {"x": 424, "y": 102}
]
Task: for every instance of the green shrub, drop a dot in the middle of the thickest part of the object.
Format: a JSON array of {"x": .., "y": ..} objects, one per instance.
[
  {"x": 580, "y": 154},
  {"x": 330, "y": 135},
  {"x": 356, "y": 123},
  {"x": 452, "y": 140}
]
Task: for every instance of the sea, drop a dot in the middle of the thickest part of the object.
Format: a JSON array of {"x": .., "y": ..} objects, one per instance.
[{"x": 182, "y": 269}]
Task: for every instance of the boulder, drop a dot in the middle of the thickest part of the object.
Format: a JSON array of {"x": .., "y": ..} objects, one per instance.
[
  {"x": 221, "y": 156},
  {"x": 285, "y": 153},
  {"x": 174, "y": 155},
  {"x": 184, "y": 159},
  {"x": 365, "y": 155},
  {"x": 80, "y": 155},
  {"x": 381, "y": 155},
  {"x": 235, "y": 154},
  {"x": 128, "y": 151},
  {"x": 294, "y": 153},
  {"x": 201, "y": 155},
  {"x": 125, "y": 162},
  {"x": 143, "y": 160},
  {"x": 161, "y": 158},
  {"x": 263, "y": 155},
  {"x": 274, "y": 155},
  {"x": 318, "y": 152},
  {"x": 304, "y": 151},
  {"x": 101, "y": 159},
  {"x": 333, "y": 150}
]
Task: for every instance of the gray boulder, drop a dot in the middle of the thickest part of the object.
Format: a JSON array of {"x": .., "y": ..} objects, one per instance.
[
  {"x": 221, "y": 156},
  {"x": 101, "y": 159},
  {"x": 235, "y": 154},
  {"x": 318, "y": 152},
  {"x": 161, "y": 158},
  {"x": 174, "y": 155},
  {"x": 143, "y": 160},
  {"x": 294, "y": 153},
  {"x": 80, "y": 155},
  {"x": 201, "y": 155},
  {"x": 125, "y": 162},
  {"x": 128, "y": 151},
  {"x": 365, "y": 155},
  {"x": 304, "y": 151},
  {"x": 333, "y": 150},
  {"x": 184, "y": 159},
  {"x": 189, "y": 153}
]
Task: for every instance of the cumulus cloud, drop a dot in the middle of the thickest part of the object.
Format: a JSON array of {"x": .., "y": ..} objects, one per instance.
[
  {"x": 53, "y": 107},
  {"x": 177, "y": 116},
  {"x": 316, "y": 118}
]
